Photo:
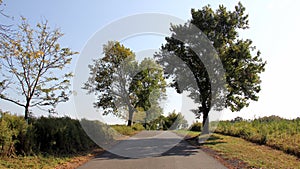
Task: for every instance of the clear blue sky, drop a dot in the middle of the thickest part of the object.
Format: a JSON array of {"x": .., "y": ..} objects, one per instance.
[{"x": 274, "y": 29}]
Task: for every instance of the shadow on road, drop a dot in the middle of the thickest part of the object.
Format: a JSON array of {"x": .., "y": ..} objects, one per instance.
[
  {"x": 150, "y": 149},
  {"x": 144, "y": 148}
]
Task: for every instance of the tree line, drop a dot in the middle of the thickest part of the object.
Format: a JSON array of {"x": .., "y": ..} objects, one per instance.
[
  {"x": 240, "y": 60},
  {"x": 33, "y": 66}
]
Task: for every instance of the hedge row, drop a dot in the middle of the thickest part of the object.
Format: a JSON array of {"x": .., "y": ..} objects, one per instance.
[
  {"x": 45, "y": 135},
  {"x": 196, "y": 126}
]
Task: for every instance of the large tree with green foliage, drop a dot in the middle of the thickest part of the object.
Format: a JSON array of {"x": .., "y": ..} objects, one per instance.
[
  {"x": 241, "y": 62},
  {"x": 32, "y": 62},
  {"x": 122, "y": 84}
]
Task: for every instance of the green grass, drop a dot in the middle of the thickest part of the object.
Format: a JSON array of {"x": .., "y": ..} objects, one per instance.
[{"x": 256, "y": 156}]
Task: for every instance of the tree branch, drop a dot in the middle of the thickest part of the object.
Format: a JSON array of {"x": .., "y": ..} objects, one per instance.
[{"x": 10, "y": 100}]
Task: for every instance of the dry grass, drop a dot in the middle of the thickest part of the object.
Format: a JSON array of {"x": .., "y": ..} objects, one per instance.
[
  {"x": 254, "y": 155},
  {"x": 47, "y": 162}
]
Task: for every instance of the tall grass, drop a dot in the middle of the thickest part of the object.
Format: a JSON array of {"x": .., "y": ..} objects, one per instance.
[{"x": 272, "y": 131}]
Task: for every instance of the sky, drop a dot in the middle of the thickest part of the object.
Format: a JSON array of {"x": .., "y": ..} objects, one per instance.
[{"x": 273, "y": 29}]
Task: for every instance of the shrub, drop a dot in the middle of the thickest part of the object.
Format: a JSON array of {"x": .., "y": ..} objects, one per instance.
[
  {"x": 270, "y": 119},
  {"x": 60, "y": 135},
  {"x": 12, "y": 129},
  {"x": 237, "y": 119},
  {"x": 44, "y": 135},
  {"x": 99, "y": 132},
  {"x": 123, "y": 129},
  {"x": 128, "y": 130},
  {"x": 196, "y": 126},
  {"x": 138, "y": 127}
]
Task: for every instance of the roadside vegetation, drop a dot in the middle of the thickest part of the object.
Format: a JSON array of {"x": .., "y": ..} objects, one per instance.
[
  {"x": 267, "y": 142},
  {"x": 236, "y": 152},
  {"x": 48, "y": 142},
  {"x": 173, "y": 121},
  {"x": 46, "y": 136},
  {"x": 47, "y": 161},
  {"x": 273, "y": 131},
  {"x": 128, "y": 130},
  {"x": 44, "y": 142}
]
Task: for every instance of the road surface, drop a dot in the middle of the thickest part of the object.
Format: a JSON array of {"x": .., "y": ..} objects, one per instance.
[{"x": 153, "y": 150}]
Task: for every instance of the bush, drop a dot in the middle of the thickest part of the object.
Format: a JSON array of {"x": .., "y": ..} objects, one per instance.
[
  {"x": 99, "y": 132},
  {"x": 44, "y": 135},
  {"x": 237, "y": 119},
  {"x": 60, "y": 135},
  {"x": 123, "y": 129},
  {"x": 196, "y": 126},
  {"x": 128, "y": 130},
  {"x": 138, "y": 127},
  {"x": 12, "y": 130}
]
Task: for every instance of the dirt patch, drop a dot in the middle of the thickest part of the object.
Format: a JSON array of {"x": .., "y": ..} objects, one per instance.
[{"x": 80, "y": 160}]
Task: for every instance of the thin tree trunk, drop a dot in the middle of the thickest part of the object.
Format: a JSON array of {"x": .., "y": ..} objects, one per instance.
[
  {"x": 130, "y": 116},
  {"x": 205, "y": 123},
  {"x": 26, "y": 116}
]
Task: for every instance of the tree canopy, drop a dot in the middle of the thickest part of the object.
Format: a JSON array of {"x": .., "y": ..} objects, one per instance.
[
  {"x": 32, "y": 62},
  {"x": 124, "y": 85},
  {"x": 240, "y": 59}
]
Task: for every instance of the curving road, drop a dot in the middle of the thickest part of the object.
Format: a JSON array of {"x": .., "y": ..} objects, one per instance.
[{"x": 153, "y": 150}]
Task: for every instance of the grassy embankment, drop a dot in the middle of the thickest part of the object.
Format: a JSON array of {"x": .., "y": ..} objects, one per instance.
[
  {"x": 273, "y": 131},
  {"x": 234, "y": 150},
  {"x": 269, "y": 142}
]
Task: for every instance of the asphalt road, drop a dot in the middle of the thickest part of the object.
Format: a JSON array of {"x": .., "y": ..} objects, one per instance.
[{"x": 153, "y": 150}]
